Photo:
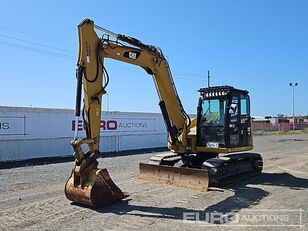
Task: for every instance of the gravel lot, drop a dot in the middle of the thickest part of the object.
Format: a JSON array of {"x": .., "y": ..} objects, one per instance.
[{"x": 32, "y": 197}]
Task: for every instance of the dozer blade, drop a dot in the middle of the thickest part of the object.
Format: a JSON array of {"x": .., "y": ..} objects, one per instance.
[
  {"x": 196, "y": 179},
  {"x": 98, "y": 190}
]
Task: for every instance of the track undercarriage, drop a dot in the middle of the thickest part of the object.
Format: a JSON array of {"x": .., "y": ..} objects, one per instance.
[{"x": 199, "y": 171}]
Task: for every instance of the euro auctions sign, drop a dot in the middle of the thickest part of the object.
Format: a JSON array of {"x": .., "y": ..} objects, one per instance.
[
  {"x": 43, "y": 123},
  {"x": 42, "y": 132},
  {"x": 120, "y": 125}
]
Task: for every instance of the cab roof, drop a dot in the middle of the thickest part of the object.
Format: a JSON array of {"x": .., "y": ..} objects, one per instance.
[{"x": 220, "y": 90}]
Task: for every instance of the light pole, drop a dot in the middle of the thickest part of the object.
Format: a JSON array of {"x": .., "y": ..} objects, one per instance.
[{"x": 293, "y": 85}]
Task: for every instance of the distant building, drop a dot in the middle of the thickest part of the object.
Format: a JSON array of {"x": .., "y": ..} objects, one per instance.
[
  {"x": 279, "y": 123},
  {"x": 298, "y": 119},
  {"x": 261, "y": 123},
  {"x": 260, "y": 119}
]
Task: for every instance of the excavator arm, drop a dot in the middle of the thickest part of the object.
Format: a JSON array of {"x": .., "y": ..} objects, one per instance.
[
  {"x": 92, "y": 52},
  {"x": 88, "y": 184}
]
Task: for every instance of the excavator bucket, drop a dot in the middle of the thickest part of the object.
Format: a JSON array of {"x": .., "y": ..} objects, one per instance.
[
  {"x": 196, "y": 179},
  {"x": 97, "y": 191}
]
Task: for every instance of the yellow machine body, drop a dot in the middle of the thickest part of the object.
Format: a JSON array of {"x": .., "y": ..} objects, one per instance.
[{"x": 92, "y": 186}]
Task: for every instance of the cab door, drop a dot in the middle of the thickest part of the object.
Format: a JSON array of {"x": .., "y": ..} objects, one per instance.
[
  {"x": 245, "y": 123},
  {"x": 234, "y": 121}
]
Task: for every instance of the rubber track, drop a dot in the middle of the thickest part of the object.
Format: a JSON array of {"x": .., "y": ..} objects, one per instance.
[{"x": 232, "y": 168}]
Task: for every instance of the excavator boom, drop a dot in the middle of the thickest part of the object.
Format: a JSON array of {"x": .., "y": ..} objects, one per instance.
[{"x": 88, "y": 184}]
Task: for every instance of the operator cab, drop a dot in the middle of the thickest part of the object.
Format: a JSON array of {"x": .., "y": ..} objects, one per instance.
[{"x": 223, "y": 118}]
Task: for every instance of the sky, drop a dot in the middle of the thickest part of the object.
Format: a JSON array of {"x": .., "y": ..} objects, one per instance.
[{"x": 257, "y": 45}]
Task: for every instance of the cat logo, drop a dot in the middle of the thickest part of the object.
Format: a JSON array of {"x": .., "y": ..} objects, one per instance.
[{"x": 132, "y": 54}]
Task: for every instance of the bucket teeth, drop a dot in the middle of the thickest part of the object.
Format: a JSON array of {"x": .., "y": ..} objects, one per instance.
[
  {"x": 98, "y": 191},
  {"x": 196, "y": 179}
]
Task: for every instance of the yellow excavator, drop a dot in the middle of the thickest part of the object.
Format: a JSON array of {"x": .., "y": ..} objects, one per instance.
[{"x": 199, "y": 147}]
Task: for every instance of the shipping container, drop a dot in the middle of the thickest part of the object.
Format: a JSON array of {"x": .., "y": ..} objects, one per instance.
[{"x": 27, "y": 132}]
